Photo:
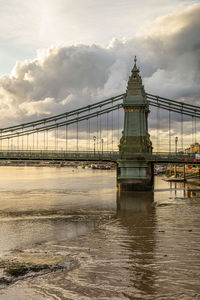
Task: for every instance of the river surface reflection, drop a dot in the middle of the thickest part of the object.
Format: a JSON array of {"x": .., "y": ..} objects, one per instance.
[{"x": 126, "y": 245}]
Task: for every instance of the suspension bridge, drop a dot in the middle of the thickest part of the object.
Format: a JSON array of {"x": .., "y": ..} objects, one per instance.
[{"x": 115, "y": 129}]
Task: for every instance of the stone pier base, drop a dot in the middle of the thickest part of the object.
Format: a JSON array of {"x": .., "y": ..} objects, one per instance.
[{"x": 135, "y": 176}]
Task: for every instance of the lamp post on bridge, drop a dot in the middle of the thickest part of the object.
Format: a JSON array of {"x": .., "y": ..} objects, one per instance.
[
  {"x": 94, "y": 139},
  {"x": 176, "y": 142},
  {"x": 102, "y": 140}
]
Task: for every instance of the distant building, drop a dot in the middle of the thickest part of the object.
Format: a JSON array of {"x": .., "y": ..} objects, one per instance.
[{"x": 195, "y": 148}]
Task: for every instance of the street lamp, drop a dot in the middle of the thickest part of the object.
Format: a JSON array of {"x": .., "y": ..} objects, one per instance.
[
  {"x": 176, "y": 141},
  {"x": 94, "y": 139},
  {"x": 102, "y": 145}
]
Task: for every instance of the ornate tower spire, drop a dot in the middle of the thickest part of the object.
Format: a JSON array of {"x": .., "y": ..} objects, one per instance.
[
  {"x": 135, "y": 68},
  {"x": 135, "y": 60}
]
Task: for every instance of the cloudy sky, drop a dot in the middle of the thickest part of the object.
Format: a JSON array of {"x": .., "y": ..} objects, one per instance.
[{"x": 56, "y": 55}]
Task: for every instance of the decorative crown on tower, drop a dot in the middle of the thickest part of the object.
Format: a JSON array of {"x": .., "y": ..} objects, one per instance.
[
  {"x": 135, "y": 74},
  {"x": 135, "y": 68}
]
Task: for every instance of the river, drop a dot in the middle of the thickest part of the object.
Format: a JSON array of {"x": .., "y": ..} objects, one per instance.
[{"x": 91, "y": 242}]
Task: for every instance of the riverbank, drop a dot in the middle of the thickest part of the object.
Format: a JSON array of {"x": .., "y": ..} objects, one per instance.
[
  {"x": 187, "y": 171},
  {"x": 58, "y": 164}
]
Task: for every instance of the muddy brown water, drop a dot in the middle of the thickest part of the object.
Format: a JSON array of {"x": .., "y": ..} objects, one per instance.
[{"x": 109, "y": 245}]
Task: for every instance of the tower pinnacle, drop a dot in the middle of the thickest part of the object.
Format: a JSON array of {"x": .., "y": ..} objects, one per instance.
[
  {"x": 135, "y": 60},
  {"x": 135, "y": 68}
]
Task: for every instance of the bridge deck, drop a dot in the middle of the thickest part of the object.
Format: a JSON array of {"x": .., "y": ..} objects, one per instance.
[{"x": 113, "y": 156}]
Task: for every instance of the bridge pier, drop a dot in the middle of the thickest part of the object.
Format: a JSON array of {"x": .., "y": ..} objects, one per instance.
[{"x": 135, "y": 176}]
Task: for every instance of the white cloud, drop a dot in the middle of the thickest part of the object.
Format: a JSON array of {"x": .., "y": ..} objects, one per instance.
[{"x": 40, "y": 23}]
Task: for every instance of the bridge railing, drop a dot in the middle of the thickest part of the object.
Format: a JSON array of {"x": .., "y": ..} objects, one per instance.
[
  {"x": 161, "y": 157},
  {"x": 168, "y": 157},
  {"x": 155, "y": 157},
  {"x": 60, "y": 155}
]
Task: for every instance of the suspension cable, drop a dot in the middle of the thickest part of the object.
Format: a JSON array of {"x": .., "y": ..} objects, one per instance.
[
  {"x": 89, "y": 134},
  {"x": 33, "y": 140},
  {"x": 60, "y": 124},
  {"x": 192, "y": 129},
  {"x": 158, "y": 126},
  {"x": 172, "y": 102},
  {"x": 18, "y": 142},
  {"x": 195, "y": 128},
  {"x": 66, "y": 138},
  {"x": 37, "y": 140},
  {"x": 22, "y": 139},
  {"x": 97, "y": 143},
  {"x": 47, "y": 146},
  {"x": 181, "y": 131},
  {"x": 44, "y": 139},
  {"x": 107, "y": 129},
  {"x": 62, "y": 116},
  {"x": 118, "y": 125},
  {"x": 169, "y": 131},
  {"x": 55, "y": 138},
  {"x": 100, "y": 129},
  {"x": 112, "y": 127},
  {"x": 1, "y": 142},
  {"x": 77, "y": 136},
  {"x": 27, "y": 141}
]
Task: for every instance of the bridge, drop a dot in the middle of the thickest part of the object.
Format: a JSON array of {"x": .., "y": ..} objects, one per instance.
[
  {"x": 105, "y": 156},
  {"x": 93, "y": 133}
]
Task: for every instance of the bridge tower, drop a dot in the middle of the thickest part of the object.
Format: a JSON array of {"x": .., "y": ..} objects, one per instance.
[{"x": 134, "y": 172}]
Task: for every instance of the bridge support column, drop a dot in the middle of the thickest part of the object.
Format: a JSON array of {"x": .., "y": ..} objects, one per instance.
[{"x": 135, "y": 176}]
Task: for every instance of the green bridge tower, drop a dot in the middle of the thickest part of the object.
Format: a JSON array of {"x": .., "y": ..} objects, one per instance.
[{"x": 134, "y": 172}]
